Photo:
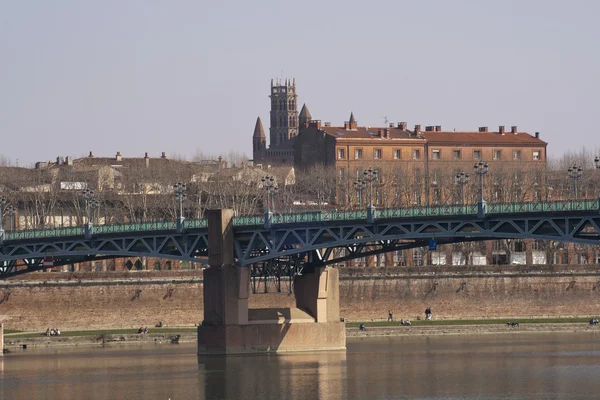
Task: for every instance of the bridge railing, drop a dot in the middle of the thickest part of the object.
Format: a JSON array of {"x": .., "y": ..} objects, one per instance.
[
  {"x": 571, "y": 205},
  {"x": 317, "y": 216}
]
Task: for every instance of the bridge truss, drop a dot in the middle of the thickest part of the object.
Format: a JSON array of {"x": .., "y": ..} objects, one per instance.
[{"x": 280, "y": 251}]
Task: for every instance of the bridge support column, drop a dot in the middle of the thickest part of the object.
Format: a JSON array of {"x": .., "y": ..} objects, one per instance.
[{"x": 229, "y": 327}]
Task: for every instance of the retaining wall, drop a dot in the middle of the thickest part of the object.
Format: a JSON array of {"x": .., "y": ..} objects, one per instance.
[{"x": 129, "y": 300}]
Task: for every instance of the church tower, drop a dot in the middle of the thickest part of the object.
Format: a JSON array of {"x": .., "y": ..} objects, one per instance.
[
  {"x": 284, "y": 112},
  {"x": 259, "y": 142}
]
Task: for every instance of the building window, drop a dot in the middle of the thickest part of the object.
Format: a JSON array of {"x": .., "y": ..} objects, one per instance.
[
  {"x": 435, "y": 154},
  {"x": 397, "y": 154},
  {"x": 417, "y": 175},
  {"x": 358, "y": 154},
  {"x": 497, "y": 154},
  {"x": 416, "y": 154},
  {"x": 456, "y": 154},
  {"x": 377, "y": 154},
  {"x": 516, "y": 154},
  {"x": 477, "y": 155},
  {"x": 435, "y": 178},
  {"x": 437, "y": 196},
  {"x": 536, "y": 155},
  {"x": 342, "y": 172},
  {"x": 341, "y": 154}
]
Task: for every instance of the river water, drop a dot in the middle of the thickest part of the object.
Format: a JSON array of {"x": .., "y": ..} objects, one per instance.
[{"x": 501, "y": 366}]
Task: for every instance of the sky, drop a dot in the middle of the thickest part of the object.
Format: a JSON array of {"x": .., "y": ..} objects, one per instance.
[{"x": 190, "y": 77}]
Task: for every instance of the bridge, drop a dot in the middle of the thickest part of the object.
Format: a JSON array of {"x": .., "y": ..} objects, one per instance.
[
  {"x": 302, "y": 236},
  {"x": 300, "y": 246}
]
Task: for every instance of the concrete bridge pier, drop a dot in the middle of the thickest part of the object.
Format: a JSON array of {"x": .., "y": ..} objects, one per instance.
[{"x": 229, "y": 327}]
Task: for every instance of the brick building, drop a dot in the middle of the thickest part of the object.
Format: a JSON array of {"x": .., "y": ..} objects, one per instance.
[{"x": 417, "y": 167}]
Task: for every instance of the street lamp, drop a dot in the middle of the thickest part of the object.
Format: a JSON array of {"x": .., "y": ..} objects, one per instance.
[
  {"x": 11, "y": 211},
  {"x": 575, "y": 173},
  {"x": 462, "y": 179},
  {"x": 179, "y": 188},
  {"x": 269, "y": 185},
  {"x": 369, "y": 176},
  {"x": 2, "y": 202},
  {"x": 94, "y": 205},
  {"x": 481, "y": 169},
  {"x": 87, "y": 196},
  {"x": 359, "y": 186}
]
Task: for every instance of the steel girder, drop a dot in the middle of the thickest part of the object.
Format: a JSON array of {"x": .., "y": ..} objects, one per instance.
[
  {"x": 189, "y": 245},
  {"x": 255, "y": 245}
]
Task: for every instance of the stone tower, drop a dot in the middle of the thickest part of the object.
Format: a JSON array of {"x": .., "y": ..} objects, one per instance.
[
  {"x": 259, "y": 142},
  {"x": 284, "y": 112}
]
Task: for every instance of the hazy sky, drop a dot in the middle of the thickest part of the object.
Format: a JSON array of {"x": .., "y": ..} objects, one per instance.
[{"x": 192, "y": 76}]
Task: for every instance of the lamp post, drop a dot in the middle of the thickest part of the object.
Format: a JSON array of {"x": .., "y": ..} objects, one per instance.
[
  {"x": 575, "y": 172},
  {"x": 180, "y": 194},
  {"x": 87, "y": 196},
  {"x": 359, "y": 186},
  {"x": 2, "y": 202},
  {"x": 369, "y": 176},
  {"x": 268, "y": 183},
  {"x": 11, "y": 211},
  {"x": 597, "y": 162},
  {"x": 94, "y": 205},
  {"x": 462, "y": 179},
  {"x": 481, "y": 169}
]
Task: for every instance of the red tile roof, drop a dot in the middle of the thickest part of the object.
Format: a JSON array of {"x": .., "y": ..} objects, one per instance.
[
  {"x": 481, "y": 138},
  {"x": 362, "y": 132}
]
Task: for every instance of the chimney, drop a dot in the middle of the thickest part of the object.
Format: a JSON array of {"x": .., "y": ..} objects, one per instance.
[
  {"x": 327, "y": 123},
  {"x": 91, "y": 154},
  {"x": 387, "y": 132},
  {"x": 402, "y": 126},
  {"x": 118, "y": 156},
  {"x": 316, "y": 123},
  {"x": 164, "y": 155},
  {"x": 513, "y": 129},
  {"x": 438, "y": 128},
  {"x": 417, "y": 129},
  {"x": 429, "y": 128},
  {"x": 501, "y": 129},
  {"x": 537, "y": 135},
  {"x": 69, "y": 160},
  {"x": 147, "y": 160},
  {"x": 483, "y": 129},
  {"x": 391, "y": 125},
  {"x": 380, "y": 133}
]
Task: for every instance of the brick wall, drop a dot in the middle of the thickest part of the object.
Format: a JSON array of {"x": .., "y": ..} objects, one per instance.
[{"x": 131, "y": 300}]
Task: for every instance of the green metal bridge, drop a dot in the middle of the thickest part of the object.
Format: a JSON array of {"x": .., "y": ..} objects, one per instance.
[{"x": 268, "y": 242}]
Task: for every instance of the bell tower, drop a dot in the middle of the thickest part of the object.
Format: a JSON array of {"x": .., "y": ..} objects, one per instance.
[{"x": 284, "y": 111}]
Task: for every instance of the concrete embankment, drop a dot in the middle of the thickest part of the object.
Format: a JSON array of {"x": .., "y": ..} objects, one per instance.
[
  {"x": 14, "y": 342},
  {"x": 79, "y": 301}
]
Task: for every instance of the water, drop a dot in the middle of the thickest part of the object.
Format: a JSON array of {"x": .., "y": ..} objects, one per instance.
[{"x": 509, "y": 366}]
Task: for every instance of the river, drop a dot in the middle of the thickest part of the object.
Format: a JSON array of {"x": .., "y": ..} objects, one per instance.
[{"x": 493, "y": 366}]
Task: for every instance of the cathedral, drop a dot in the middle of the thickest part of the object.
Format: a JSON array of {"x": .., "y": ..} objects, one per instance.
[{"x": 284, "y": 124}]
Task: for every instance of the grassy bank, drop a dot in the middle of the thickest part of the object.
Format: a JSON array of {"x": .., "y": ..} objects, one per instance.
[
  {"x": 100, "y": 332},
  {"x": 471, "y": 322}
]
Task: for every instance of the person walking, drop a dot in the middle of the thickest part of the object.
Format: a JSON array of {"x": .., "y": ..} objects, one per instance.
[
  {"x": 428, "y": 314},
  {"x": 390, "y": 316}
]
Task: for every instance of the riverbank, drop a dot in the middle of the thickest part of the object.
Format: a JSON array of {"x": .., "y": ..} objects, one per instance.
[{"x": 20, "y": 341}]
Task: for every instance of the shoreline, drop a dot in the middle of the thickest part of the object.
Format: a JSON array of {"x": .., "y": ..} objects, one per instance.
[{"x": 13, "y": 343}]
